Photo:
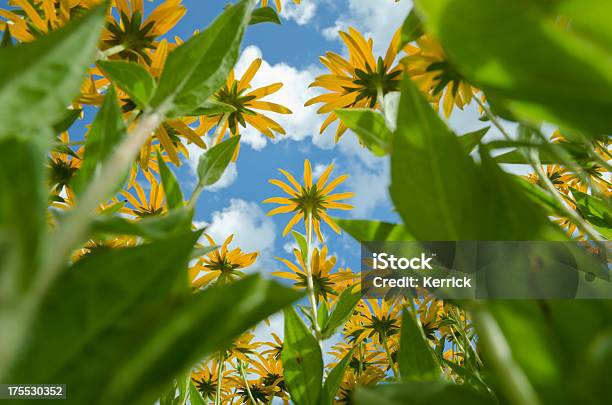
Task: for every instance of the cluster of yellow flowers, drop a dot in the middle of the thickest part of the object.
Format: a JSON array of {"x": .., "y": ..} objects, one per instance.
[{"x": 251, "y": 370}]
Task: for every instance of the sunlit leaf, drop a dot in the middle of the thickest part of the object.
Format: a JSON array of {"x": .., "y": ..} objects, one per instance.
[{"x": 132, "y": 78}]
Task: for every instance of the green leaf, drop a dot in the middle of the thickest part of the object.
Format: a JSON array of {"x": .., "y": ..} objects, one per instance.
[
  {"x": 416, "y": 359},
  {"x": 302, "y": 361},
  {"x": 212, "y": 107},
  {"x": 470, "y": 140},
  {"x": 341, "y": 311},
  {"x": 7, "y": 40},
  {"x": 194, "y": 395},
  {"x": 368, "y": 231},
  {"x": 596, "y": 211},
  {"x": 42, "y": 77},
  {"x": 23, "y": 207},
  {"x": 107, "y": 129},
  {"x": 322, "y": 315},
  {"x": 197, "y": 68},
  {"x": 412, "y": 29},
  {"x": 214, "y": 161},
  {"x": 172, "y": 188},
  {"x": 263, "y": 15},
  {"x": 99, "y": 292},
  {"x": 132, "y": 78},
  {"x": 301, "y": 242},
  {"x": 480, "y": 204},
  {"x": 420, "y": 393},
  {"x": 523, "y": 56},
  {"x": 69, "y": 117},
  {"x": 370, "y": 126},
  {"x": 152, "y": 228},
  {"x": 334, "y": 379}
]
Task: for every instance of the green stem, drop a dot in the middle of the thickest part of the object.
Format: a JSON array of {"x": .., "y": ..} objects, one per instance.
[
  {"x": 220, "y": 378},
  {"x": 513, "y": 381},
  {"x": 309, "y": 280},
  {"x": 246, "y": 382},
  {"x": 200, "y": 187},
  {"x": 567, "y": 210},
  {"x": 102, "y": 55},
  {"x": 389, "y": 358}
]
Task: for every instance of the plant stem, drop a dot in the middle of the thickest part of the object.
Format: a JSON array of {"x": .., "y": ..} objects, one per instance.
[
  {"x": 200, "y": 187},
  {"x": 513, "y": 380},
  {"x": 246, "y": 382},
  {"x": 310, "y": 283},
  {"x": 389, "y": 358},
  {"x": 102, "y": 55},
  {"x": 219, "y": 378},
  {"x": 567, "y": 210}
]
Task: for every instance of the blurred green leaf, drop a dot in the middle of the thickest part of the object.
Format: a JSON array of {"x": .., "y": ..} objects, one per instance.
[
  {"x": 132, "y": 78},
  {"x": 302, "y": 361},
  {"x": 420, "y": 393},
  {"x": 369, "y": 126},
  {"x": 172, "y": 188},
  {"x": 197, "y": 68},
  {"x": 7, "y": 40},
  {"x": 367, "y": 231},
  {"x": 416, "y": 359},
  {"x": 334, "y": 379},
  {"x": 23, "y": 207},
  {"x": 42, "y": 77},
  {"x": 152, "y": 228},
  {"x": 213, "y": 162},
  {"x": 596, "y": 211},
  {"x": 527, "y": 58},
  {"x": 107, "y": 130},
  {"x": 412, "y": 28},
  {"x": 341, "y": 311},
  {"x": 263, "y": 15},
  {"x": 482, "y": 203},
  {"x": 470, "y": 140},
  {"x": 66, "y": 121},
  {"x": 100, "y": 293}
]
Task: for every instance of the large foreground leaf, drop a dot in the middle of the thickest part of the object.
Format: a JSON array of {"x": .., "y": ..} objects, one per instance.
[
  {"x": 523, "y": 55},
  {"x": 416, "y": 359},
  {"x": 442, "y": 194},
  {"x": 39, "y": 79}
]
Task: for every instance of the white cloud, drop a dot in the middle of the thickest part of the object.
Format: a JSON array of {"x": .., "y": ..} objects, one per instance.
[
  {"x": 377, "y": 19},
  {"x": 294, "y": 93},
  {"x": 370, "y": 185},
  {"x": 252, "y": 229},
  {"x": 302, "y": 14}
]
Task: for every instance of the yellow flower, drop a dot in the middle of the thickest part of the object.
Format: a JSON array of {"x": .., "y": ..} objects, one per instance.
[
  {"x": 222, "y": 265},
  {"x": 247, "y": 102},
  {"x": 132, "y": 35},
  {"x": 351, "y": 379},
  {"x": 429, "y": 67},
  {"x": 34, "y": 18},
  {"x": 271, "y": 377},
  {"x": 357, "y": 82},
  {"x": 379, "y": 320},
  {"x": 275, "y": 347},
  {"x": 277, "y": 3},
  {"x": 206, "y": 377},
  {"x": 310, "y": 200},
  {"x": 141, "y": 205},
  {"x": 242, "y": 347},
  {"x": 64, "y": 165},
  {"x": 325, "y": 282}
]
